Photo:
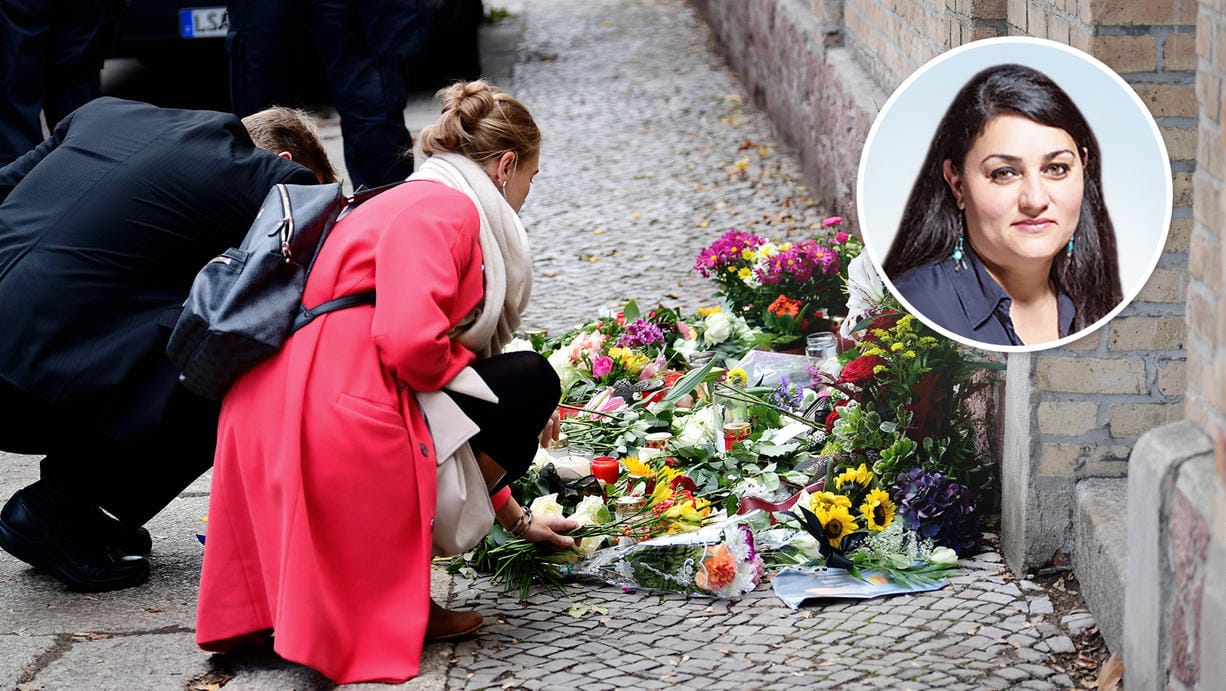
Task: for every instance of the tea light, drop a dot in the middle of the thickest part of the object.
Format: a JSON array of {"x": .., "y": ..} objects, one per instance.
[
  {"x": 734, "y": 432},
  {"x": 572, "y": 467},
  {"x": 659, "y": 440},
  {"x": 606, "y": 469}
]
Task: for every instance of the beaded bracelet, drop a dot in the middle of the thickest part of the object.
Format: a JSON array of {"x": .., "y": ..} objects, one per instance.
[{"x": 521, "y": 526}]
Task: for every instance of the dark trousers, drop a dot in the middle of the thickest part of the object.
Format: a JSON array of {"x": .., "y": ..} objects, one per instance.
[
  {"x": 528, "y": 391},
  {"x": 133, "y": 479},
  {"x": 363, "y": 45},
  {"x": 51, "y": 53}
]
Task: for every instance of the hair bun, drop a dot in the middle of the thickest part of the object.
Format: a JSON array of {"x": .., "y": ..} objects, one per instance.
[{"x": 471, "y": 102}]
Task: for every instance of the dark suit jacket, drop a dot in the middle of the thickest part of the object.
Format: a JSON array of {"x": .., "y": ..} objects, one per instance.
[{"x": 102, "y": 229}]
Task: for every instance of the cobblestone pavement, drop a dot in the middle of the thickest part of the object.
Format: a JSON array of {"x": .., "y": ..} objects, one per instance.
[{"x": 651, "y": 151}]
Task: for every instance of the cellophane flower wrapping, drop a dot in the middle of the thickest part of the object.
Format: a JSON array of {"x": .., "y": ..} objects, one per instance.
[{"x": 717, "y": 561}]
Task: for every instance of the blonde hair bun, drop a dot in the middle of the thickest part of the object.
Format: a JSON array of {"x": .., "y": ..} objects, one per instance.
[{"x": 482, "y": 122}]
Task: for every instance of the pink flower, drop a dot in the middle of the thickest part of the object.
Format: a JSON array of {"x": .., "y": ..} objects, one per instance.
[
  {"x": 601, "y": 366},
  {"x": 840, "y": 237},
  {"x": 832, "y": 221},
  {"x": 684, "y": 330},
  {"x": 612, "y": 405}
]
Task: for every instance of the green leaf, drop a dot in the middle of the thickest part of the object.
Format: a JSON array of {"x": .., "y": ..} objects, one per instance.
[
  {"x": 630, "y": 311},
  {"x": 688, "y": 383},
  {"x": 578, "y": 610}
]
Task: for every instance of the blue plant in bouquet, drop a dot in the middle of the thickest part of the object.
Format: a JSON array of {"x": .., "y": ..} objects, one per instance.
[{"x": 938, "y": 508}]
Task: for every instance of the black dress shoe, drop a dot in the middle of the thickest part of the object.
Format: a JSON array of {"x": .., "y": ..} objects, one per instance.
[
  {"x": 122, "y": 538},
  {"x": 67, "y": 548}
]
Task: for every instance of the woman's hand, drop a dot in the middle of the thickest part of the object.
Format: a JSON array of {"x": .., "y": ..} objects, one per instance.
[
  {"x": 547, "y": 529},
  {"x": 552, "y": 428}
]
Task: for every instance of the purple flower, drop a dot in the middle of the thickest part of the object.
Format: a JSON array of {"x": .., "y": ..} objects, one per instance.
[
  {"x": 726, "y": 251},
  {"x": 937, "y": 507},
  {"x": 787, "y": 396},
  {"x": 799, "y": 263},
  {"x": 639, "y": 334},
  {"x": 601, "y": 366}
]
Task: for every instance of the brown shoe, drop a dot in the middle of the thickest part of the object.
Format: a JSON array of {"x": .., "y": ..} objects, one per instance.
[{"x": 451, "y": 625}]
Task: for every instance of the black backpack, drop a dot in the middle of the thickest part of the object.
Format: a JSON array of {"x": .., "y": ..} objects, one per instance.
[{"x": 247, "y": 301}]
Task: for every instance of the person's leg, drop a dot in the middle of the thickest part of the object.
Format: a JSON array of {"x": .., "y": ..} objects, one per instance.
[
  {"x": 84, "y": 32},
  {"x": 25, "y": 27},
  {"x": 369, "y": 100},
  {"x": 262, "y": 40},
  {"x": 148, "y": 474},
  {"x": 528, "y": 391},
  {"x": 52, "y": 523}
]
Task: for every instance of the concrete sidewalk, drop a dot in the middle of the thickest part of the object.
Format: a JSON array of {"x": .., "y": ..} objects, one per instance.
[{"x": 651, "y": 151}]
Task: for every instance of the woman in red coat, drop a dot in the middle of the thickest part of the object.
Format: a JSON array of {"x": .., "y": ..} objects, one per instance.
[{"x": 324, "y": 481}]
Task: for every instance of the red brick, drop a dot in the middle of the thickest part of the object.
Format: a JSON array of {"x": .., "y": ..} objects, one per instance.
[
  {"x": 1179, "y": 52},
  {"x": 1126, "y": 54},
  {"x": 1141, "y": 12},
  {"x": 1169, "y": 100}
]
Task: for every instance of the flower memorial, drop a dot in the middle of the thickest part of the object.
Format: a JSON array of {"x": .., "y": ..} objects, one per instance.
[{"x": 721, "y": 463}]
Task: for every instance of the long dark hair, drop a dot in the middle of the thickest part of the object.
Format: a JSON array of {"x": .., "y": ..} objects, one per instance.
[{"x": 932, "y": 222}]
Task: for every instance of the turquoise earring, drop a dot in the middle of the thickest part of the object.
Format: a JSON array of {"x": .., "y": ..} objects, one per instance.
[
  {"x": 1069, "y": 254},
  {"x": 958, "y": 254}
]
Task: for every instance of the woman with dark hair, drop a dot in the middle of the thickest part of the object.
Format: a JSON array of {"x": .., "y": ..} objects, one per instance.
[{"x": 1005, "y": 238}]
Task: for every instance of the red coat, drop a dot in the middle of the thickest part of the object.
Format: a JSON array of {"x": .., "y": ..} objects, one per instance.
[{"x": 324, "y": 478}]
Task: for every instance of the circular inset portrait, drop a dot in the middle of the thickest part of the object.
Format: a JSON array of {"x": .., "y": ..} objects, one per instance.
[{"x": 1014, "y": 193}]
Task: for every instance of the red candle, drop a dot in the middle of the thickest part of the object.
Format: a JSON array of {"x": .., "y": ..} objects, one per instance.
[
  {"x": 606, "y": 468},
  {"x": 735, "y": 432}
]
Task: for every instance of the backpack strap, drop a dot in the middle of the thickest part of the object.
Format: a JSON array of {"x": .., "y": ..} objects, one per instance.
[{"x": 305, "y": 315}]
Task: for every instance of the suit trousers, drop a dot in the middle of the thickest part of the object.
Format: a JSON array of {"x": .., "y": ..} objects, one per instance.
[
  {"x": 133, "y": 479},
  {"x": 51, "y": 54},
  {"x": 362, "y": 45}
]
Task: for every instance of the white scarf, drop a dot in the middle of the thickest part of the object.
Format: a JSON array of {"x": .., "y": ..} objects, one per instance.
[{"x": 504, "y": 250}]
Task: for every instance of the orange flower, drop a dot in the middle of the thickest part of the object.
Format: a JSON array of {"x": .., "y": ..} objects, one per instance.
[
  {"x": 718, "y": 569},
  {"x": 785, "y": 306}
]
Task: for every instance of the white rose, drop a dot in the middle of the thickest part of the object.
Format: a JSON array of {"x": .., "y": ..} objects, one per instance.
[
  {"x": 807, "y": 545},
  {"x": 517, "y": 344},
  {"x": 590, "y": 510},
  {"x": 718, "y": 328},
  {"x": 546, "y": 506},
  {"x": 943, "y": 555},
  {"x": 567, "y": 373}
]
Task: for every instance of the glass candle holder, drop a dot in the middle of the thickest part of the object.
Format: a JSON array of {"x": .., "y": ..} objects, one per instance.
[
  {"x": 606, "y": 469},
  {"x": 659, "y": 440},
  {"x": 736, "y": 431}
]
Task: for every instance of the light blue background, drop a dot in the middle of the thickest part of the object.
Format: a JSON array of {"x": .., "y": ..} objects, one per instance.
[{"x": 1136, "y": 171}]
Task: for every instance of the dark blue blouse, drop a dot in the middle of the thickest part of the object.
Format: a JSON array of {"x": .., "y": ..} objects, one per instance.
[{"x": 968, "y": 301}]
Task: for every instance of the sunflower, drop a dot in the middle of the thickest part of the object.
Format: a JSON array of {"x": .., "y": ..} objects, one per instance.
[
  {"x": 861, "y": 476},
  {"x": 823, "y": 501},
  {"x": 837, "y": 523},
  {"x": 877, "y": 510}
]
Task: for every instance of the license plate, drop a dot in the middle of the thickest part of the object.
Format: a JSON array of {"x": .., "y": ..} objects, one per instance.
[{"x": 203, "y": 22}]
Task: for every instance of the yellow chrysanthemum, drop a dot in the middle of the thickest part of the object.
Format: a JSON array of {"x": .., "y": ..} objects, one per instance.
[
  {"x": 910, "y": 355},
  {"x": 838, "y": 523},
  {"x": 748, "y": 254},
  {"x": 636, "y": 468},
  {"x": 861, "y": 476},
  {"x": 744, "y": 273},
  {"x": 877, "y": 510},
  {"x": 706, "y": 311},
  {"x": 737, "y": 377},
  {"x": 879, "y": 369},
  {"x": 785, "y": 247},
  {"x": 894, "y": 348}
]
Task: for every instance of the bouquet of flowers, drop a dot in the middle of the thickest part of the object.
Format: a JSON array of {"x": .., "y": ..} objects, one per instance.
[
  {"x": 718, "y": 561},
  {"x": 785, "y": 288}
]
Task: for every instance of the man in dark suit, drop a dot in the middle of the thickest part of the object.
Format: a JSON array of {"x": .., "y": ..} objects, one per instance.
[{"x": 102, "y": 229}]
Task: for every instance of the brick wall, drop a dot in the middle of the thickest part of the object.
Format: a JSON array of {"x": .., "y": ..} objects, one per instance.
[
  {"x": 891, "y": 38},
  {"x": 1097, "y": 396},
  {"x": 1206, "y": 334}
]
